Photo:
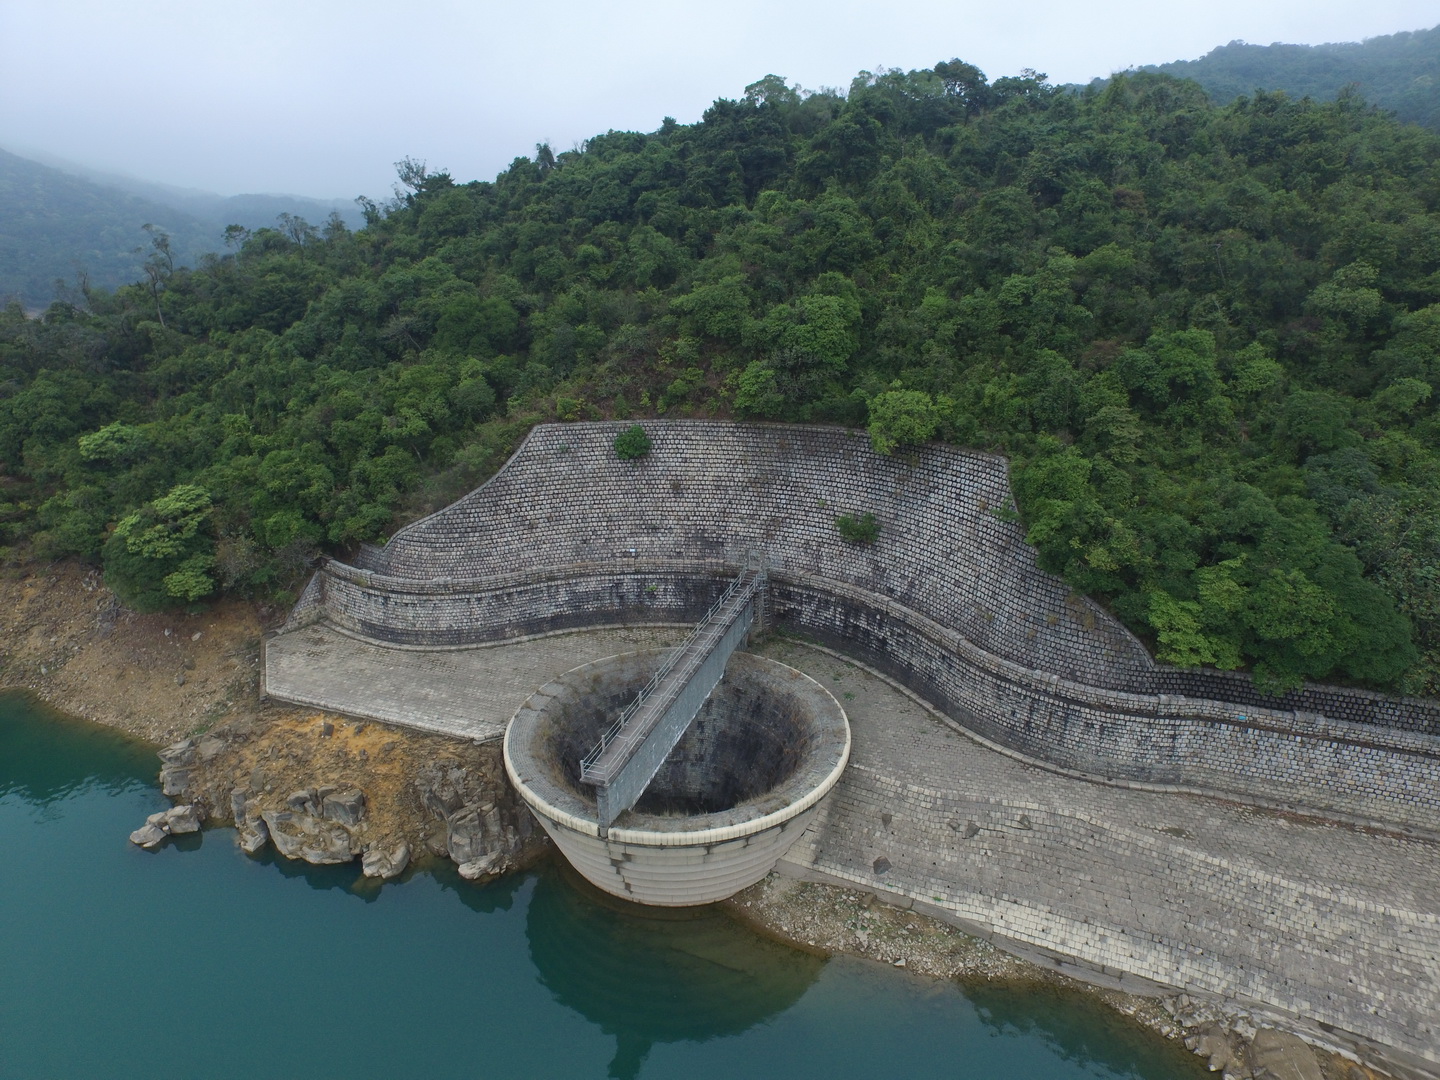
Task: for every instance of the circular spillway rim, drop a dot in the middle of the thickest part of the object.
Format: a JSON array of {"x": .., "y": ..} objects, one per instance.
[{"x": 681, "y": 838}]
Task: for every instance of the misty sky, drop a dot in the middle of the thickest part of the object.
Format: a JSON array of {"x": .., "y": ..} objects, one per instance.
[{"x": 319, "y": 97}]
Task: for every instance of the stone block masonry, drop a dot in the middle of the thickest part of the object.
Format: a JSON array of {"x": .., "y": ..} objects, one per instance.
[
  {"x": 949, "y": 602},
  {"x": 1340, "y": 926},
  {"x": 708, "y": 491}
]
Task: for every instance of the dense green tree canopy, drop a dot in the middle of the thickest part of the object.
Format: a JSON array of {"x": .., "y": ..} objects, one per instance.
[{"x": 1208, "y": 338}]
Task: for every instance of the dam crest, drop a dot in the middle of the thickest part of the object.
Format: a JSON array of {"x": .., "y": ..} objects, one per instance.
[{"x": 949, "y": 601}]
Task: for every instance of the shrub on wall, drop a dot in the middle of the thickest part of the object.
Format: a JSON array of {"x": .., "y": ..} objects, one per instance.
[
  {"x": 863, "y": 529},
  {"x": 632, "y": 443}
]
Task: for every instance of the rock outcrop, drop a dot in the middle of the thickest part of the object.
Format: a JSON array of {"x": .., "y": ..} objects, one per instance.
[
  {"x": 325, "y": 791},
  {"x": 1279, "y": 1055},
  {"x": 185, "y": 818},
  {"x": 385, "y": 862},
  {"x": 1235, "y": 1046},
  {"x": 182, "y": 762},
  {"x": 347, "y": 806},
  {"x": 478, "y": 823},
  {"x": 251, "y": 832},
  {"x": 465, "y": 814},
  {"x": 150, "y": 835},
  {"x": 313, "y": 839}
]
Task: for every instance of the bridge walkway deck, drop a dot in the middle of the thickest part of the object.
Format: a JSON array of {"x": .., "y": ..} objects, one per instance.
[{"x": 632, "y": 750}]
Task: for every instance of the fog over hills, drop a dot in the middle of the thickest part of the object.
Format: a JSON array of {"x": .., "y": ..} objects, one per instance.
[
  {"x": 55, "y": 226},
  {"x": 250, "y": 210},
  {"x": 59, "y": 221},
  {"x": 1398, "y": 72}
]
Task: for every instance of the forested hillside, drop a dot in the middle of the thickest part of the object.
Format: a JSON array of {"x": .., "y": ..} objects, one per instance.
[
  {"x": 56, "y": 226},
  {"x": 1399, "y": 72},
  {"x": 1209, "y": 338}
]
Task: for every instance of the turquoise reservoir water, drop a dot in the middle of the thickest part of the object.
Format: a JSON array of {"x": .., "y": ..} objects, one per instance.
[{"x": 196, "y": 961}]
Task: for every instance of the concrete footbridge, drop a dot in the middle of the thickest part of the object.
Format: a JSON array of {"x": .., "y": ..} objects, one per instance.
[{"x": 630, "y": 753}]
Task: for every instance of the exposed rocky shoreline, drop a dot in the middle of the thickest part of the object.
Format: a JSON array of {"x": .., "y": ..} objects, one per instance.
[{"x": 328, "y": 789}]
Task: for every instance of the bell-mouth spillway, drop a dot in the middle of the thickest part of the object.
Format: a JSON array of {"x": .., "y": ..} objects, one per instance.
[{"x": 737, "y": 790}]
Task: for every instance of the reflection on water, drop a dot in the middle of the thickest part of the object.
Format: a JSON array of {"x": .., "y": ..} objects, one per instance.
[
  {"x": 46, "y": 756},
  {"x": 1077, "y": 1027},
  {"x": 656, "y": 975},
  {"x": 195, "y": 960}
]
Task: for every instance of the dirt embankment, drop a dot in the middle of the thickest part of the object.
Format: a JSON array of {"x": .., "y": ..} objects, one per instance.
[
  {"x": 64, "y": 636},
  {"x": 170, "y": 677}
]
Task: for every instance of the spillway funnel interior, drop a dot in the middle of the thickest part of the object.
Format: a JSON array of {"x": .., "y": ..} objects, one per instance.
[{"x": 734, "y": 794}]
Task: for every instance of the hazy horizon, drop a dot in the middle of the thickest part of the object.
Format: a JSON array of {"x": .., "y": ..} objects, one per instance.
[{"x": 320, "y": 100}]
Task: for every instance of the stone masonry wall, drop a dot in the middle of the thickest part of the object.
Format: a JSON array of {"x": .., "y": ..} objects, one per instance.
[
  {"x": 710, "y": 490},
  {"x": 949, "y": 601}
]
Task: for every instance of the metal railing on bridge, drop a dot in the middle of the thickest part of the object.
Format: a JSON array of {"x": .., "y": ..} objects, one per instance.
[{"x": 631, "y": 751}]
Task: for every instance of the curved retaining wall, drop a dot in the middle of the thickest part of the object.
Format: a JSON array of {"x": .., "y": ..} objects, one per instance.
[{"x": 949, "y": 602}]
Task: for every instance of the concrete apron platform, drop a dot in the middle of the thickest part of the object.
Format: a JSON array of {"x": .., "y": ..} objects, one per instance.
[
  {"x": 466, "y": 693},
  {"x": 1338, "y": 926}
]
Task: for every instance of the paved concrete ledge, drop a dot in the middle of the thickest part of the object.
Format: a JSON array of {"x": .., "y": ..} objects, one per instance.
[
  {"x": 1365, "y": 770},
  {"x": 466, "y": 693},
  {"x": 1253, "y": 798}
]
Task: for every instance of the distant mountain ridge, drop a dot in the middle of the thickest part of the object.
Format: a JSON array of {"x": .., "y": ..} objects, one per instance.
[
  {"x": 56, "y": 225},
  {"x": 1397, "y": 72},
  {"x": 252, "y": 210}
]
